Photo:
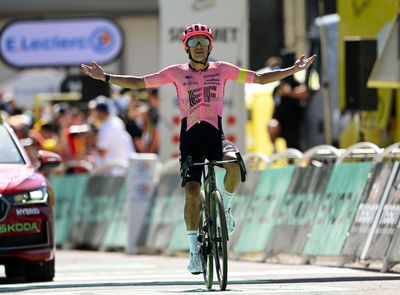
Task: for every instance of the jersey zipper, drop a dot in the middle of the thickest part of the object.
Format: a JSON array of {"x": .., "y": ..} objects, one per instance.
[{"x": 202, "y": 96}]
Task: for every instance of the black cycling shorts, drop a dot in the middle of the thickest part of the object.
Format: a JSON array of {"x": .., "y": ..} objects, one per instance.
[{"x": 202, "y": 141}]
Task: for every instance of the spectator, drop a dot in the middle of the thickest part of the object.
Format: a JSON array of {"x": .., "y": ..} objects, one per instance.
[
  {"x": 8, "y": 104},
  {"x": 154, "y": 106},
  {"x": 59, "y": 115},
  {"x": 114, "y": 145},
  {"x": 45, "y": 137},
  {"x": 76, "y": 134},
  {"x": 290, "y": 97},
  {"x": 21, "y": 125},
  {"x": 150, "y": 123},
  {"x": 133, "y": 113}
]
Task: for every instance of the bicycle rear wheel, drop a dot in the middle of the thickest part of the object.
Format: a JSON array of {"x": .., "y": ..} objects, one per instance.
[
  {"x": 220, "y": 241},
  {"x": 205, "y": 246}
]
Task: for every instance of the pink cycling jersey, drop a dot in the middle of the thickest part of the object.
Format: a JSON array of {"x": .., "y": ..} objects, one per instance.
[{"x": 200, "y": 93}]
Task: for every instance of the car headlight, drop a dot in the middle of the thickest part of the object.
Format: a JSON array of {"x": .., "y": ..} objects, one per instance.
[{"x": 32, "y": 197}]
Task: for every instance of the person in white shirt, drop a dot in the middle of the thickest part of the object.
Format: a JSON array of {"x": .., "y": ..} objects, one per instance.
[{"x": 114, "y": 144}]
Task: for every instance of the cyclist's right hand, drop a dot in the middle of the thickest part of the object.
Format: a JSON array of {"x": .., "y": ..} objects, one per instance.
[{"x": 95, "y": 71}]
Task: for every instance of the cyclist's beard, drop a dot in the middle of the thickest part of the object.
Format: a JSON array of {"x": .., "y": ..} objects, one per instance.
[{"x": 199, "y": 62}]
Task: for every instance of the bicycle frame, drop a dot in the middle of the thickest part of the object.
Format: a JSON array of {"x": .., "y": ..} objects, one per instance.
[
  {"x": 209, "y": 181},
  {"x": 213, "y": 234}
]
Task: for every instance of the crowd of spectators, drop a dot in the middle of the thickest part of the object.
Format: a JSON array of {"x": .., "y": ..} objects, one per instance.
[{"x": 91, "y": 136}]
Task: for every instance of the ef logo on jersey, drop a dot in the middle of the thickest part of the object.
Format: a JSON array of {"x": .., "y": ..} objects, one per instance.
[{"x": 195, "y": 95}]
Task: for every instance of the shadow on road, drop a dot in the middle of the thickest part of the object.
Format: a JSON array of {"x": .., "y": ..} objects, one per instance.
[{"x": 55, "y": 285}]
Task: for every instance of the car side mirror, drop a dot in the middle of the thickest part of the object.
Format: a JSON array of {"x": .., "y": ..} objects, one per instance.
[{"x": 48, "y": 160}]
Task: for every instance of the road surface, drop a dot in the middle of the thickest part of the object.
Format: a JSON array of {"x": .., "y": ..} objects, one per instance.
[{"x": 95, "y": 272}]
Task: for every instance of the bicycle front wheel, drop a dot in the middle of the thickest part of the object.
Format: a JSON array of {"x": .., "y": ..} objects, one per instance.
[
  {"x": 205, "y": 246},
  {"x": 220, "y": 241}
]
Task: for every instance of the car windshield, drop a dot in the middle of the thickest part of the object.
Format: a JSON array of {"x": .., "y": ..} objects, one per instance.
[{"x": 9, "y": 153}]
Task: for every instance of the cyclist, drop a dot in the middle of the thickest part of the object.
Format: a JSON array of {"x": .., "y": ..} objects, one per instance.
[{"x": 200, "y": 90}]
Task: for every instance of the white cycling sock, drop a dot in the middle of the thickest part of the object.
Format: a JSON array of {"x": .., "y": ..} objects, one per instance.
[
  {"x": 192, "y": 237},
  {"x": 228, "y": 197}
]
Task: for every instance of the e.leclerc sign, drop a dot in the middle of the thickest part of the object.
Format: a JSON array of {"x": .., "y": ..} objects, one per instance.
[{"x": 60, "y": 42}]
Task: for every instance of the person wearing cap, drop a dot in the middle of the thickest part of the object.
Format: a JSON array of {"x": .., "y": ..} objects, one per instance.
[
  {"x": 114, "y": 145},
  {"x": 200, "y": 90}
]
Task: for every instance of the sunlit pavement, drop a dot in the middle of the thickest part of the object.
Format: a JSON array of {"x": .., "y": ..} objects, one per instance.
[{"x": 92, "y": 272}]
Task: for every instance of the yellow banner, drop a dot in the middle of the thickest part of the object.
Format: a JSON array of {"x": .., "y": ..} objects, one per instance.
[{"x": 365, "y": 19}]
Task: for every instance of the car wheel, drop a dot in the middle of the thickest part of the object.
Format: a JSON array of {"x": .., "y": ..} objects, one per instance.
[
  {"x": 13, "y": 271},
  {"x": 40, "y": 272}
]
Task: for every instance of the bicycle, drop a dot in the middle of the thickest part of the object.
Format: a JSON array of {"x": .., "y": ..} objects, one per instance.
[{"x": 213, "y": 234}]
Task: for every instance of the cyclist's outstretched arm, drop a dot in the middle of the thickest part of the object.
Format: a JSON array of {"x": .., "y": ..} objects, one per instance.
[
  {"x": 126, "y": 81},
  {"x": 301, "y": 64}
]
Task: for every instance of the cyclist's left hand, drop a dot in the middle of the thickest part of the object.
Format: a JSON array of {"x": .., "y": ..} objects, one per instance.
[{"x": 303, "y": 63}]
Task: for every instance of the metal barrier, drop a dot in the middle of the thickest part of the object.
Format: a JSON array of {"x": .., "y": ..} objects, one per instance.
[
  {"x": 302, "y": 200},
  {"x": 362, "y": 151},
  {"x": 256, "y": 161},
  {"x": 264, "y": 203},
  {"x": 165, "y": 212},
  {"x": 321, "y": 154},
  {"x": 340, "y": 200},
  {"x": 389, "y": 217},
  {"x": 287, "y": 157},
  {"x": 323, "y": 202},
  {"x": 392, "y": 152}
]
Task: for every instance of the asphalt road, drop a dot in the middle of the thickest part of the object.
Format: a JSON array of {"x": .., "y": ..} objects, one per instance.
[{"x": 91, "y": 272}]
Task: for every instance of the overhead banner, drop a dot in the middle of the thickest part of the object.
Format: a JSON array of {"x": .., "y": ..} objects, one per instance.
[
  {"x": 228, "y": 19},
  {"x": 60, "y": 42}
]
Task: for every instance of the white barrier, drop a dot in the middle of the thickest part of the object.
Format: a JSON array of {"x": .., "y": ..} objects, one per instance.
[{"x": 140, "y": 189}]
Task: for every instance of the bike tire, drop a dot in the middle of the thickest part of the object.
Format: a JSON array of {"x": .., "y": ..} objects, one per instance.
[
  {"x": 220, "y": 241},
  {"x": 205, "y": 246}
]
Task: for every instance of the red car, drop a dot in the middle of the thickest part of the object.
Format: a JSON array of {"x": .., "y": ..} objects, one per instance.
[{"x": 26, "y": 211}]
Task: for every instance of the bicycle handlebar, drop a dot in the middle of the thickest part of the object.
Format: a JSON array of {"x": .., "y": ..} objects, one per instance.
[
  {"x": 212, "y": 163},
  {"x": 188, "y": 163}
]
